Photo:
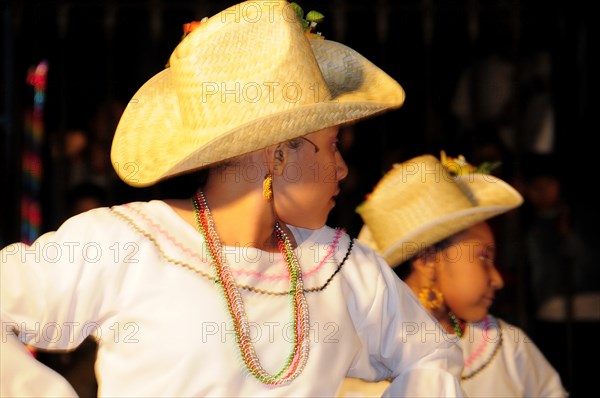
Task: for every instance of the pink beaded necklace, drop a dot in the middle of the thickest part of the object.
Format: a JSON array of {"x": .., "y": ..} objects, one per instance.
[
  {"x": 480, "y": 349},
  {"x": 482, "y": 343},
  {"x": 297, "y": 360}
]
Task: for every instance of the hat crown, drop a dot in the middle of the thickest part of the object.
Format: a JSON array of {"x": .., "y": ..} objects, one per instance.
[
  {"x": 420, "y": 202},
  {"x": 420, "y": 183},
  {"x": 242, "y": 80},
  {"x": 255, "y": 58}
]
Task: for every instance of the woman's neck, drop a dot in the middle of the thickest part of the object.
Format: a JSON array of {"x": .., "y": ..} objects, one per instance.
[
  {"x": 243, "y": 220},
  {"x": 237, "y": 223}
]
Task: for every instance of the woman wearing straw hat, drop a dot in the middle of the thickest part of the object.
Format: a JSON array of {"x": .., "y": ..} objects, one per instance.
[
  {"x": 242, "y": 290},
  {"x": 428, "y": 219}
]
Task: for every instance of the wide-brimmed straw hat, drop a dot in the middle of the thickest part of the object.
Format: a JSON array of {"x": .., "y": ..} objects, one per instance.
[
  {"x": 421, "y": 202},
  {"x": 245, "y": 79}
]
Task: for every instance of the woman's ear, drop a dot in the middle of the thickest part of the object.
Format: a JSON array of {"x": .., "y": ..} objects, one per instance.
[
  {"x": 276, "y": 158},
  {"x": 425, "y": 264}
]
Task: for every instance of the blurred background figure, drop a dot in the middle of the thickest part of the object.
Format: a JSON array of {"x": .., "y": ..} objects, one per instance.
[
  {"x": 485, "y": 94},
  {"x": 538, "y": 126},
  {"x": 563, "y": 292}
]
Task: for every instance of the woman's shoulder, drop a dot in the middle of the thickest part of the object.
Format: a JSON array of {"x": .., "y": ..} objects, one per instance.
[
  {"x": 364, "y": 249},
  {"x": 513, "y": 338},
  {"x": 148, "y": 207},
  {"x": 508, "y": 329},
  {"x": 89, "y": 222},
  {"x": 338, "y": 237},
  {"x": 142, "y": 214},
  {"x": 111, "y": 222},
  {"x": 496, "y": 328},
  {"x": 352, "y": 259},
  {"x": 107, "y": 213}
]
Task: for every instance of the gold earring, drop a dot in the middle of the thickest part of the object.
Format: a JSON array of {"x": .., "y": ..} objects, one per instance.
[
  {"x": 431, "y": 298},
  {"x": 268, "y": 187}
]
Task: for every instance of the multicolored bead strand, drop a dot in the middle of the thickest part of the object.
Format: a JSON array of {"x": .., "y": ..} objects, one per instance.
[
  {"x": 489, "y": 359},
  {"x": 455, "y": 324},
  {"x": 297, "y": 360},
  {"x": 482, "y": 344}
]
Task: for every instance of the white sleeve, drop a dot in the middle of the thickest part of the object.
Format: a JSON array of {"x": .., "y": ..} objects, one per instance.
[
  {"x": 53, "y": 294},
  {"x": 22, "y": 375},
  {"x": 400, "y": 336},
  {"x": 56, "y": 291}
]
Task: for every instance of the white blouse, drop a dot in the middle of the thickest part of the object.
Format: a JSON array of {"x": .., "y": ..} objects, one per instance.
[
  {"x": 499, "y": 361},
  {"x": 138, "y": 279}
]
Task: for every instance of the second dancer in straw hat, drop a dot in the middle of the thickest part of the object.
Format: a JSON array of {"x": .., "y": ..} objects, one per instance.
[
  {"x": 428, "y": 218},
  {"x": 241, "y": 290}
]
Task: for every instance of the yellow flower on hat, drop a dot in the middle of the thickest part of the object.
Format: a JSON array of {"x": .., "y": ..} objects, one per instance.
[
  {"x": 459, "y": 166},
  {"x": 456, "y": 166}
]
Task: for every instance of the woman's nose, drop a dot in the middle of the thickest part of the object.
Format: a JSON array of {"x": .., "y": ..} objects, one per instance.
[
  {"x": 342, "y": 168},
  {"x": 497, "y": 281}
]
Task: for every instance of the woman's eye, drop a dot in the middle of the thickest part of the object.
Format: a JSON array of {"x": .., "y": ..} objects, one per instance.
[{"x": 486, "y": 258}]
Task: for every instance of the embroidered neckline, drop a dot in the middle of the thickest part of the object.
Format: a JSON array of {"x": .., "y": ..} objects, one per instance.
[
  {"x": 486, "y": 340},
  {"x": 210, "y": 277},
  {"x": 482, "y": 344},
  {"x": 249, "y": 273}
]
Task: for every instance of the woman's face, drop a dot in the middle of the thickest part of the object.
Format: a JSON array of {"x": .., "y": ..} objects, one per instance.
[
  {"x": 467, "y": 274},
  {"x": 304, "y": 191}
]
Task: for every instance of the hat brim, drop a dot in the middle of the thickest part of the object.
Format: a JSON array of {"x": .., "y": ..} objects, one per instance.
[
  {"x": 151, "y": 142},
  {"x": 492, "y": 199}
]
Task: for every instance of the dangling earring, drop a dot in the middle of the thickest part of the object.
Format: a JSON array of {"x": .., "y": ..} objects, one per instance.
[
  {"x": 431, "y": 298},
  {"x": 268, "y": 187}
]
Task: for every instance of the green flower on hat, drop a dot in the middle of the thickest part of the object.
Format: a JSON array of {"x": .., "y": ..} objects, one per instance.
[{"x": 310, "y": 22}]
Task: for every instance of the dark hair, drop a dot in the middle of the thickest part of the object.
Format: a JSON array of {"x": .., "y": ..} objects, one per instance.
[{"x": 405, "y": 268}]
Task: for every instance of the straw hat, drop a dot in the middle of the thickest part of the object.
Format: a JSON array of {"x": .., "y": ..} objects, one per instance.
[
  {"x": 244, "y": 79},
  {"x": 419, "y": 203}
]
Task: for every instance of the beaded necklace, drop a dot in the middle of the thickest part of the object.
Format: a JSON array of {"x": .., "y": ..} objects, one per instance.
[
  {"x": 479, "y": 351},
  {"x": 297, "y": 360},
  {"x": 455, "y": 324},
  {"x": 190, "y": 267},
  {"x": 482, "y": 343}
]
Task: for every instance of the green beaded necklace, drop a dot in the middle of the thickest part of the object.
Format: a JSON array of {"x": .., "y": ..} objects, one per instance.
[{"x": 455, "y": 324}]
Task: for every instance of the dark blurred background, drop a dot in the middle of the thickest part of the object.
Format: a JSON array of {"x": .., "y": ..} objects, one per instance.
[{"x": 492, "y": 80}]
